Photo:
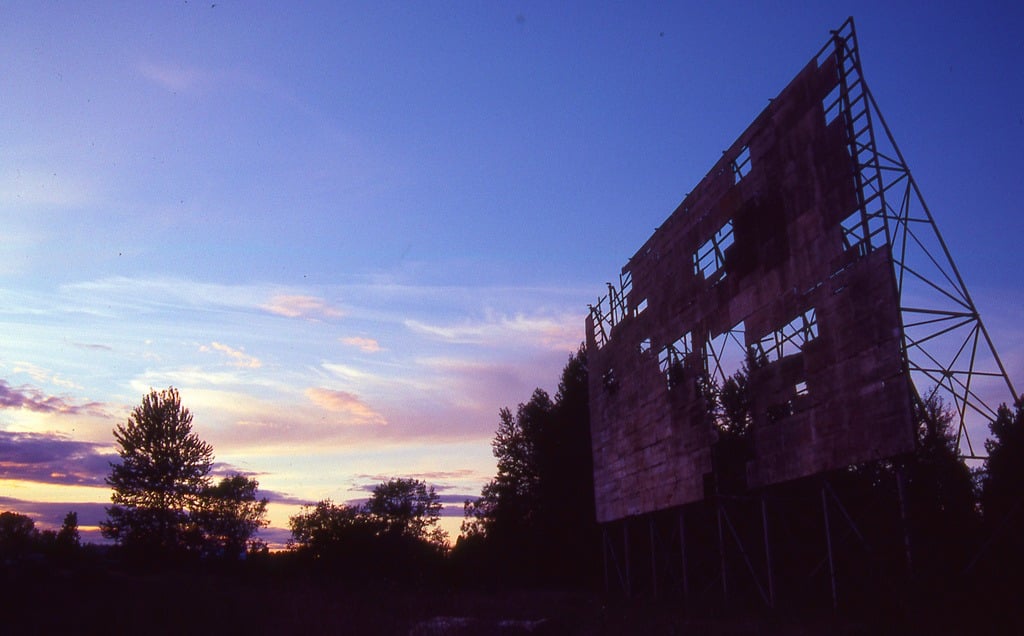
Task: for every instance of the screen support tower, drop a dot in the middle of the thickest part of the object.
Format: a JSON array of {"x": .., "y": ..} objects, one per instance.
[{"x": 946, "y": 348}]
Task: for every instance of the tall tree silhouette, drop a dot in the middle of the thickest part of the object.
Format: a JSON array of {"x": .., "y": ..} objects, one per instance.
[
  {"x": 1002, "y": 494},
  {"x": 158, "y": 483},
  {"x": 535, "y": 519},
  {"x": 68, "y": 540},
  {"x": 1002, "y": 500},
  {"x": 942, "y": 512}
]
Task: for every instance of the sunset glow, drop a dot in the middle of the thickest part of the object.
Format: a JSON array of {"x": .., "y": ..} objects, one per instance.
[{"x": 350, "y": 234}]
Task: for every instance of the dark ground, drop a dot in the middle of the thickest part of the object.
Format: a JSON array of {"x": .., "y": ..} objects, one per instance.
[{"x": 115, "y": 600}]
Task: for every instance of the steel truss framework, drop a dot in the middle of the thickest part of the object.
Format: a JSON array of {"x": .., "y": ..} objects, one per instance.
[{"x": 946, "y": 347}]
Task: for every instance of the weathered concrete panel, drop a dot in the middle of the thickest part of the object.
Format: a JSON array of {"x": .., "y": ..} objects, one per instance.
[{"x": 755, "y": 249}]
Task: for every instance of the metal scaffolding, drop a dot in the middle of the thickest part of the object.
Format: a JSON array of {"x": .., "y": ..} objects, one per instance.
[{"x": 947, "y": 349}]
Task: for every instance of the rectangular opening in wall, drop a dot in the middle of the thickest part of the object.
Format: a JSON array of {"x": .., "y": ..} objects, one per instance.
[
  {"x": 672, "y": 358},
  {"x": 725, "y": 354},
  {"x": 863, "y": 232},
  {"x": 855, "y": 236},
  {"x": 789, "y": 339},
  {"x": 833, "y": 104},
  {"x": 709, "y": 259},
  {"x": 640, "y": 307},
  {"x": 645, "y": 345},
  {"x": 741, "y": 165}
]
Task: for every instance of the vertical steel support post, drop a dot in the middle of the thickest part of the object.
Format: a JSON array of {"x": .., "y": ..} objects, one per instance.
[
  {"x": 901, "y": 492},
  {"x": 768, "y": 553},
  {"x": 828, "y": 546},
  {"x": 604, "y": 559},
  {"x": 721, "y": 552},
  {"x": 654, "y": 556},
  {"x": 625, "y": 548},
  {"x": 682, "y": 553}
]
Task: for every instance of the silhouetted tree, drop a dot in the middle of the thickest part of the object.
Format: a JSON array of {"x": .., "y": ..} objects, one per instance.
[
  {"x": 163, "y": 472},
  {"x": 230, "y": 515},
  {"x": 327, "y": 530},
  {"x": 1002, "y": 493},
  {"x": 68, "y": 539},
  {"x": 503, "y": 522},
  {"x": 391, "y": 536},
  {"x": 732, "y": 416},
  {"x": 567, "y": 521},
  {"x": 324, "y": 529},
  {"x": 68, "y": 534},
  {"x": 1002, "y": 500},
  {"x": 406, "y": 508},
  {"x": 536, "y": 517},
  {"x": 17, "y": 534},
  {"x": 941, "y": 494}
]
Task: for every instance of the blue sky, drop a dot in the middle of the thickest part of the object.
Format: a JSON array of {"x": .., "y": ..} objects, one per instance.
[{"x": 350, "y": 232}]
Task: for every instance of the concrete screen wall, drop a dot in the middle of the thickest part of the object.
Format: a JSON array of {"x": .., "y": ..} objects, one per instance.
[{"x": 772, "y": 253}]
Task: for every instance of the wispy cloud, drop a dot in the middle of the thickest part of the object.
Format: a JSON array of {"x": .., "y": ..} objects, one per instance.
[
  {"x": 352, "y": 374},
  {"x": 300, "y": 306},
  {"x": 561, "y": 332},
  {"x": 476, "y": 385},
  {"x": 92, "y": 347},
  {"x": 41, "y": 188},
  {"x": 281, "y": 497},
  {"x": 53, "y": 458},
  {"x": 369, "y": 481},
  {"x": 345, "y": 403},
  {"x": 433, "y": 476},
  {"x": 173, "y": 77},
  {"x": 238, "y": 358},
  {"x": 367, "y": 345},
  {"x": 32, "y": 399},
  {"x": 160, "y": 295},
  {"x": 192, "y": 378},
  {"x": 41, "y": 375},
  {"x": 164, "y": 294}
]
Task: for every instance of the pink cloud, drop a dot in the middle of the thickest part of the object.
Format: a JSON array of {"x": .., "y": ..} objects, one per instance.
[
  {"x": 346, "y": 404},
  {"x": 239, "y": 358},
  {"x": 368, "y": 345},
  {"x": 296, "y": 306}
]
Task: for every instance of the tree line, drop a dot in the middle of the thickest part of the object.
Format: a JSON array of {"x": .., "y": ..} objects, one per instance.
[
  {"x": 535, "y": 518},
  {"x": 534, "y": 523},
  {"x": 19, "y": 537}
]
